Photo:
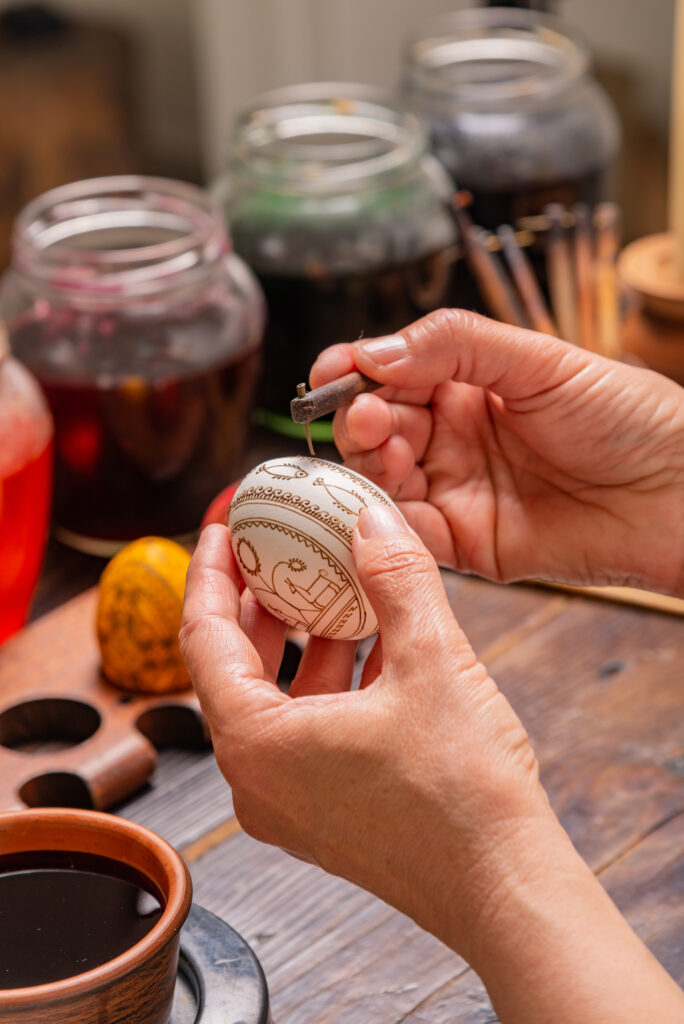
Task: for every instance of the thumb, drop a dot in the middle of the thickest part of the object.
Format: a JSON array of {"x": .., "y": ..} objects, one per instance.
[
  {"x": 454, "y": 344},
  {"x": 403, "y": 584}
]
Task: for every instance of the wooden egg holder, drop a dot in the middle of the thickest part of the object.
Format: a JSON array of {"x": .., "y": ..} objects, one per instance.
[{"x": 69, "y": 738}]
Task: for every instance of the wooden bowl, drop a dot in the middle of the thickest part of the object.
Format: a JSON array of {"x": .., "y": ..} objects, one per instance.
[
  {"x": 653, "y": 329},
  {"x": 649, "y": 267},
  {"x": 136, "y": 987}
]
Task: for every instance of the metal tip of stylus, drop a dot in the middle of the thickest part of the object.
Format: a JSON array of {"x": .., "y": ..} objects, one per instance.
[{"x": 301, "y": 391}]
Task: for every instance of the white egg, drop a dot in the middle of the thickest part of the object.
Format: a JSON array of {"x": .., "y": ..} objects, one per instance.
[{"x": 291, "y": 523}]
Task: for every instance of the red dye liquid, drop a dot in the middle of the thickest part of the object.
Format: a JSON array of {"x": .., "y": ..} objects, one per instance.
[
  {"x": 24, "y": 508},
  {"x": 150, "y": 419}
]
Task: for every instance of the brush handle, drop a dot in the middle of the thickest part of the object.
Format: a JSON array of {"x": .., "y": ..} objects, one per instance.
[{"x": 326, "y": 399}]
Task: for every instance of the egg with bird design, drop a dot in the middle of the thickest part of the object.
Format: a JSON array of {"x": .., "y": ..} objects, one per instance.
[{"x": 291, "y": 523}]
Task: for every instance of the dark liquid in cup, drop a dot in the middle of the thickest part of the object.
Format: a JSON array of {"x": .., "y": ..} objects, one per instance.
[
  {"x": 150, "y": 418},
  {"x": 308, "y": 312},
  {"x": 62, "y": 914}
]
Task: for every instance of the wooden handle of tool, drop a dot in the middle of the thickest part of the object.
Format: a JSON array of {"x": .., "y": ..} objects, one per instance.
[{"x": 326, "y": 399}]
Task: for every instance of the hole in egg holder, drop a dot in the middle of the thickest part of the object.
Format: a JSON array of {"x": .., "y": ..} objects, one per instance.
[
  {"x": 47, "y": 724},
  {"x": 56, "y": 789}
]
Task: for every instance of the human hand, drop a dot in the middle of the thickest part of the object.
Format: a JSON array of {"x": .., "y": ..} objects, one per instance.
[
  {"x": 515, "y": 455},
  {"x": 421, "y": 786},
  {"x": 413, "y": 786}
]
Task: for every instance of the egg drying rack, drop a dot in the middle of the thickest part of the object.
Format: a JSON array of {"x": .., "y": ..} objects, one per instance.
[{"x": 67, "y": 736}]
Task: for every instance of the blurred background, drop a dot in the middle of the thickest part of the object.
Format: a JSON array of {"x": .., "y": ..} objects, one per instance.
[
  {"x": 90, "y": 87},
  {"x": 168, "y": 354}
]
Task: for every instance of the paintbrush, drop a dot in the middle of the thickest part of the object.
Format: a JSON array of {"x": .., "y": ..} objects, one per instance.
[
  {"x": 584, "y": 277},
  {"x": 526, "y": 281},
  {"x": 496, "y": 290},
  {"x": 560, "y": 273},
  {"x": 607, "y": 228}
]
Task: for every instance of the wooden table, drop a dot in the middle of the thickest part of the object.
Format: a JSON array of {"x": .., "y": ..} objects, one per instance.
[{"x": 600, "y": 688}]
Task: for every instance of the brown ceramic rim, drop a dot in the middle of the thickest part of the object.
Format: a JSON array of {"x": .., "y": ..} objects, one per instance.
[{"x": 108, "y": 836}]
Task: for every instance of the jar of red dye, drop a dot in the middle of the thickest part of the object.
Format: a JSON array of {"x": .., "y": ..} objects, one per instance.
[
  {"x": 25, "y": 486},
  {"x": 144, "y": 329}
]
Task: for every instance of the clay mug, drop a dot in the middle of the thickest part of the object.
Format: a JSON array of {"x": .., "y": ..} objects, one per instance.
[{"x": 137, "y": 986}]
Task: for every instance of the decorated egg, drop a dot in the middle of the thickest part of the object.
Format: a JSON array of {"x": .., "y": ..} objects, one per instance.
[
  {"x": 139, "y": 606},
  {"x": 291, "y": 523}
]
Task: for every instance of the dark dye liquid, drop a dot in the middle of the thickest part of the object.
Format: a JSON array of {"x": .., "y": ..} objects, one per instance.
[
  {"x": 492, "y": 208},
  {"x": 63, "y": 914},
  {"x": 306, "y": 313},
  {"x": 506, "y": 206},
  {"x": 150, "y": 419}
]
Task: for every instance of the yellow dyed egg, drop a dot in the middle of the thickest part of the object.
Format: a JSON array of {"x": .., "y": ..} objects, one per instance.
[{"x": 139, "y": 608}]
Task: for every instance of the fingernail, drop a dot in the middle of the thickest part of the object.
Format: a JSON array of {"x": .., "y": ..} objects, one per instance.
[
  {"x": 385, "y": 350},
  {"x": 380, "y": 520}
]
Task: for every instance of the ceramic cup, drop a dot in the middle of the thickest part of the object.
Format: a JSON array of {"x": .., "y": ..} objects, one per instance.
[{"x": 137, "y": 986}]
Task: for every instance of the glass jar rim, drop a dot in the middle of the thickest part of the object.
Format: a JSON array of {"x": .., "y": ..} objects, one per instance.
[
  {"x": 465, "y": 38},
  {"x": 49, "y": 236},
  {"x": 326, "y": 138}
]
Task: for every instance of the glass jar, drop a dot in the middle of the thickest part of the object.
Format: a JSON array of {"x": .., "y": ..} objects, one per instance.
[
  {"x": 512, "y": 111},
  {"x": 25, "y": 487},
  {"x": 144, "y": 330},
  {"x": 342, "y": 214}
]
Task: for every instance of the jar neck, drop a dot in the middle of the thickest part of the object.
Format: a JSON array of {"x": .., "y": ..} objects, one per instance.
[
  {"x": 494, "y": 58},
  {"x": 326, "y": 139},
  {"x": 110, "y": 242}
]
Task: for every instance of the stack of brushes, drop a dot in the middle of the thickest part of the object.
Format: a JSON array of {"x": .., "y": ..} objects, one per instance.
[{"x": 581, "y": 250}]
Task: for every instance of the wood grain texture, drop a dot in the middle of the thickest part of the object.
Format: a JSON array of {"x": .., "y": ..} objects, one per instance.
[
  {"x": 185, "y": 798},
  {"x": 647, "y": 885},
  {"x": 599, "y": 689},
  {"x": 331, "y": 952}
]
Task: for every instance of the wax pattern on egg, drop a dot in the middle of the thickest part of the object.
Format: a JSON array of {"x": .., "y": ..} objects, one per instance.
[{"x": 291, "y": 523}]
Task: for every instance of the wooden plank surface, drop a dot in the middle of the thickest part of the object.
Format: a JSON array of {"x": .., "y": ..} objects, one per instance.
[
  {"x": 331, "y": 952},
  {"x": 600, "y": 688},
  {"x": 648, "y": 886}
]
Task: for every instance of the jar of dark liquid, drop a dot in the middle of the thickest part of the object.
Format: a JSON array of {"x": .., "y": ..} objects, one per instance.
[
  {"x": 144, "y": 330},
  {"x": 338, "y": 208},
  {"x": 512, "y": 111}
]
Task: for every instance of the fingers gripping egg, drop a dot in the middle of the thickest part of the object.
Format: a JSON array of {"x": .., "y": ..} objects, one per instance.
[{"x": 291, "y": 523}]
